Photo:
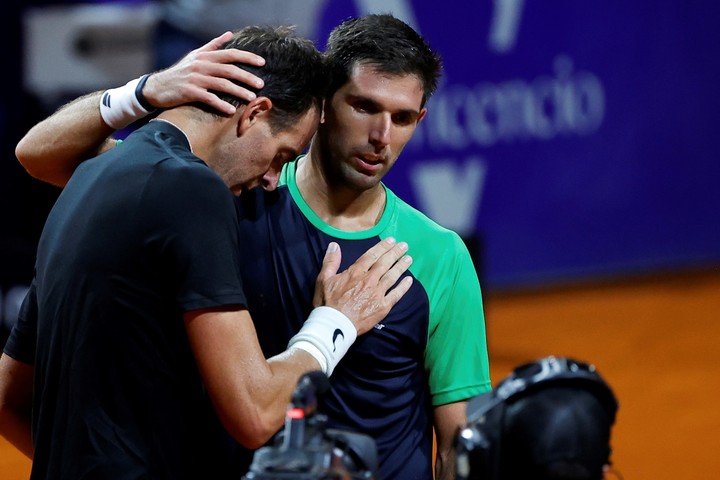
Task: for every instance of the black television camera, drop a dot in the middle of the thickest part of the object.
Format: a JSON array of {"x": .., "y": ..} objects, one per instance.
[
  {"x": 548, "y": 419},
  {"x": 307, "y": 450}
]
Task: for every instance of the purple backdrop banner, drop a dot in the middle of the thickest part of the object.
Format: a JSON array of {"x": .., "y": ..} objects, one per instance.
[{"x": 576, "y": 139}]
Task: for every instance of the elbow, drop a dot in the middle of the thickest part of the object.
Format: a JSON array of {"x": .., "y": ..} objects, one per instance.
[
  {"x": 24, "y": 154},
  {"x": 30, "y": 158},
  {"x": 36, "y": 165},
  {"x": 253, "y": 431},
  {"x": 254, "y": 442}
]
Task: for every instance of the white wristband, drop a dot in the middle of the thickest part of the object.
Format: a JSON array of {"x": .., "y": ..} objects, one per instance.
[
  {"x": 312, "y": 350},
  {"x": 327, "y": 333},
  {"x": 119, "y": 107}
]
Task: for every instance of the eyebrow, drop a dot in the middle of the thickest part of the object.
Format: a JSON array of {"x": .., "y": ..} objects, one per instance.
[{"x": 363, "y": 98}]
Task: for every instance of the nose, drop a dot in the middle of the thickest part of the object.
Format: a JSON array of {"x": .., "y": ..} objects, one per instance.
[
  {"x": 380, "y": 133},
  {"x": 270, "y": 179}
]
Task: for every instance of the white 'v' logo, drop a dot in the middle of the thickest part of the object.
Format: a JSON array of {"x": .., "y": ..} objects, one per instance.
[
  {"x": 504, "y": 25},
  {"x": 450, "y": 193}
]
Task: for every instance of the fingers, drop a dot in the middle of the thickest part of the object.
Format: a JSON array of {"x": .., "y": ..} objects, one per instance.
[
  {"x": 220, "y": 71},
  {"x": 393, "y": 271},
  {"x": 226, "y": 78},
  {"x": 388, "y": 259},
  {"x": 217, "y": 42},
  {"x": 391, "y": 266},
  {"x": 230, "y": 55},
  {"x": 215, "y": 102},
  {"x": 203, "y": 71},
  {"x": 218, "y": 67},
  {"x": 331, "y": 262},
  {"x": 368, "y": 259},
  {"x": 330, "y": 266},
  {"x": 364, "y": 292},
  {"x": 383, "y": 264},
  {"x": 394, "y": 295}
]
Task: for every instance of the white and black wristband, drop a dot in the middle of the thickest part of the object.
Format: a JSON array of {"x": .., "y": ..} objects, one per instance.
[
  {"x": 327, "y": 335},
  {"x": 119, "y": 107}
]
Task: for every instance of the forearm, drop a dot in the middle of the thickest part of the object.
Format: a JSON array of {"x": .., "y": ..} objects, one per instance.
[
  {"x": 447, "y": 420},
  {"x": 445, "y": 465},
  {"x": 250, "y": 394},
  {"x": 270, "y": 393},
  {"x": 52, "y": 149}
]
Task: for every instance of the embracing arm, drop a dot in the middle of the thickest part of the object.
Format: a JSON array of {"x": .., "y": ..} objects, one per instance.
[
  {"x": 15, "y": 403},
  {"x": 250, "y": 393},
  {"x": 53, "y": 148}
]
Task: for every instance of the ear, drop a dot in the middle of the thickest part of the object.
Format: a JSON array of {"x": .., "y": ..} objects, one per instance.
[
  {"x": 422, "y": 114},
  {"x": 322, "y": 111},
  {"x": 254, "y": 111}
]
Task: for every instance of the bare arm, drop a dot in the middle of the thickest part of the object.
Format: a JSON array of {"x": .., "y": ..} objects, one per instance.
[
  {"x": 53, "y": 148},
  {"x": 251, "y": 394},
  {"x": 15, "y": 403},
  {"x": 447, "y": 421}
]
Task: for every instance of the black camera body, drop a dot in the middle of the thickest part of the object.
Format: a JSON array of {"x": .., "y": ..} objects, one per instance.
[
  {"x": 486, "y": 450},
  {"x": 325, "y": 454},
  {"x": 307, "y": 450}
]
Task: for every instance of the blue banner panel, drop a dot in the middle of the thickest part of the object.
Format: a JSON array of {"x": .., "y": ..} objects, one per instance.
[{"x": 576, "y": 139}]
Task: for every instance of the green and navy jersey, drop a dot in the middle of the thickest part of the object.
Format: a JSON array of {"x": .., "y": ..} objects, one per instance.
[{"x": 430, "y": 350}]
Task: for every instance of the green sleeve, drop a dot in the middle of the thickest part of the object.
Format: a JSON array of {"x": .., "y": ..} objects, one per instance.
[{"x": 456, "y": 356}]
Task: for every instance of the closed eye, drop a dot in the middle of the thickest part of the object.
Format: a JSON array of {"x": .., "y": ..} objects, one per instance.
[
  {"x": 366, "y": 106},
  {"x": 404, "y": 118}
]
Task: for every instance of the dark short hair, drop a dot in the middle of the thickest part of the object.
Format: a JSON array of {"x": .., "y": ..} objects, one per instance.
[
  {"x": 294, "y": 74},
  {"x": 385, "y": 42}
]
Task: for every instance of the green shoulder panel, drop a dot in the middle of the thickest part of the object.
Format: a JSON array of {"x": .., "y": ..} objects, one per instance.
[{"x": 456, "y": 356}]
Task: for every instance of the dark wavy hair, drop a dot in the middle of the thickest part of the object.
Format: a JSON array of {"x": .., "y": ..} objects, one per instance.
[
  {"x": 294, "y": 73},
  {"x": 386, "y": 43}
]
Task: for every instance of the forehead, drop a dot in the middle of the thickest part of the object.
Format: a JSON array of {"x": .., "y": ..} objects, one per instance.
[{"x": 395, "y": 91}]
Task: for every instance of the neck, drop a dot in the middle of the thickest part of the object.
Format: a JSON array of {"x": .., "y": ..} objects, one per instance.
[
  {"x": 338, "y": 205},
  {"x": 162, "y": 119},
  {"x": 202, "y": 134}
]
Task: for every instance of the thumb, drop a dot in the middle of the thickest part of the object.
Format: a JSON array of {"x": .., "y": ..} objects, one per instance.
[
  {"x": 330, "y": 266},
  {"x": 331, "y": 262}
]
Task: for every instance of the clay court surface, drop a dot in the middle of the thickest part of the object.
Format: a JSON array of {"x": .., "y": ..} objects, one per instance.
[{"x": 654, "y": 339}]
